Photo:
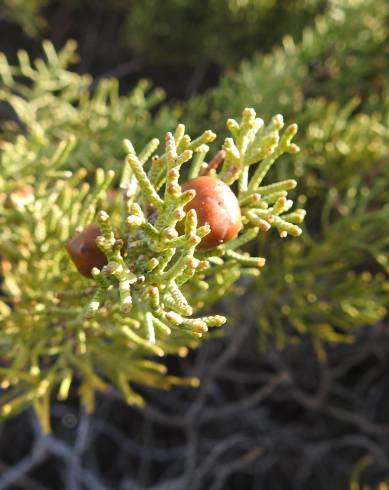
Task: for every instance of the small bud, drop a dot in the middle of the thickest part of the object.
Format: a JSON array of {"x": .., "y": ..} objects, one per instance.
[
  {"x": 194, "y": 240},
  {"x": 209, "y": 136},
  {"x": 292, "y": 148},
  {"x": 133, "y": 221},
  {"x": 174, "y": 189},
  {"x": 102, "y": 216},
  {"x": 136, "y": 209},
  {"x": 278, "y": 121},
  {"x": 171, "y": 233},
  {"x": 291, "y": 131},
  {"x": 173, "y": 173},
  {"x": 193, "y": 263},
  {"x": 255, "y": 198},
  {"x": 179, "y": 214},
  {"x": 203, "y": 265}
]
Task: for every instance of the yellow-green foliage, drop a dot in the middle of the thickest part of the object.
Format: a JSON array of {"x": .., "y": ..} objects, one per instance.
[
  {"x": 53, "y": 102},
  {"x": 219, "y": 31},
  {"x": 324, "y": 63},
  {"x": 335, "y": 278},
  {"x": 26, "y": 13},
  {"x": 56, "y": 324}
]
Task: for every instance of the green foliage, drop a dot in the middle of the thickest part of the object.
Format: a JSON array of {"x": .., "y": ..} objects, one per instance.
[
  {"x": 57, "y": 177},
  {"x": 337, "y": 275},
  {"x": 52, "y": 102},
  {"x": 335, "y": 278},
  {"x": 325, "y": 63},
  {"x": 219, "y": 31},
  {"x": 58, "y": 326},
  {"x": 215, "y": 31},
  {"x": 25, "y": 13}
]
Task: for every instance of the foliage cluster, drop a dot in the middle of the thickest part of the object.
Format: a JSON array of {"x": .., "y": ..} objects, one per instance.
[
  {"x": 24, "y": 13},
  {"x": 62, "y": 126},
  {"x": 257, "y": 417},
  {"x": 335, "y": 278},
  {"x": 217, "y": 31},
  {"x": 149, "y": 28},
  {"x": 57, "y": 175}
]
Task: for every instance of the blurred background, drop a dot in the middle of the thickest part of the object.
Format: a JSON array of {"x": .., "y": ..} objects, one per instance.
[
  {"x": 183, "y": 46},
  {"x": 295, "y": 395}
]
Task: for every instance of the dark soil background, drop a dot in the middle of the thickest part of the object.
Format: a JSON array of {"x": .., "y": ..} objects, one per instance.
[{"x": 277, "y": 421}]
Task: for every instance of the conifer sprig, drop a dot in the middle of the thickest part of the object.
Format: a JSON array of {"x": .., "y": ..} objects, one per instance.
[{"x": 146, "y": 301}]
